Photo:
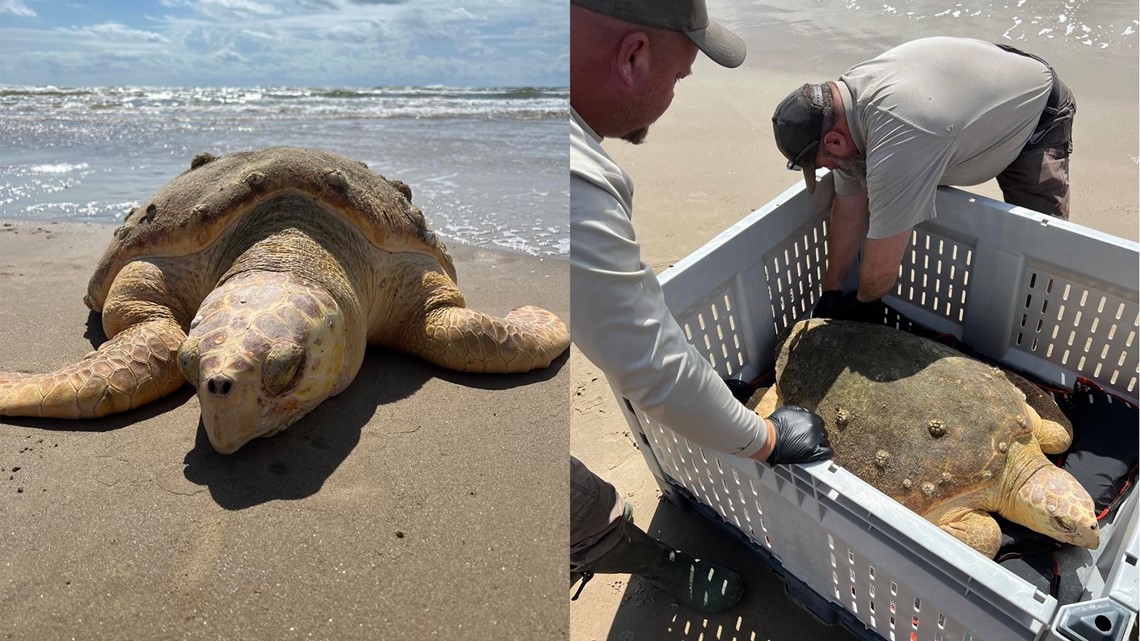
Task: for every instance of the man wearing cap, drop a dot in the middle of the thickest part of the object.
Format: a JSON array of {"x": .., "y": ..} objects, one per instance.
[
  {"x": 625, "y": 58},
  {"x": 935, "y": 111}
]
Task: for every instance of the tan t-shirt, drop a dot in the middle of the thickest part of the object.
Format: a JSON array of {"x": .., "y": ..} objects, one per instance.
[{"x": 936, "y": 111}]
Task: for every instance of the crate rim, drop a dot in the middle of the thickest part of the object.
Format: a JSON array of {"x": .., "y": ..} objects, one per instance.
[{"x": 720, "y": 239}]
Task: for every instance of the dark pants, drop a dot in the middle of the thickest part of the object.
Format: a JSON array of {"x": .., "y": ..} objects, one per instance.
[
  {"x": 1038, "y": 178},
  {"x": 598, "y": 515}
]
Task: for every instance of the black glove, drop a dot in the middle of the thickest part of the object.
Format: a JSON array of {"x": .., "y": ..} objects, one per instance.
[
  {"x": 828, "y": 304},
  {"x": 853, "y": 309},
  {"x": 800, "y": 437}
]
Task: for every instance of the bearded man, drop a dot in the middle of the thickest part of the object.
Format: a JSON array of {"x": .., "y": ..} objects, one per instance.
[{"x": 935, "y": 111}]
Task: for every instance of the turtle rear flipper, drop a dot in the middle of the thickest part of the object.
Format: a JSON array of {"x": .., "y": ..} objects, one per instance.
[{"x": 765, "y": 401}]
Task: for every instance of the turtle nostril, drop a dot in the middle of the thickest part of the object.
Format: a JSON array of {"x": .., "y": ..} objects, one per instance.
[{"x": 220, "y": 385}]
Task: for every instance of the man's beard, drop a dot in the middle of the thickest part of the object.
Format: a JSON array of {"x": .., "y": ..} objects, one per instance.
[
  {"x": 637, "y": 136},
  {"x": 855, "y": 165},
  {"x": 645, "y": 111}
]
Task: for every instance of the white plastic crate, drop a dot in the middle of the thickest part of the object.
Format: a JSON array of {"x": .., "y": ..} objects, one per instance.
[{"x": 1045, "y": 296}]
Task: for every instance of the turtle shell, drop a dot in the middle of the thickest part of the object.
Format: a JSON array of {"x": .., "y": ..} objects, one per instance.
[
  {"x": 191, "y": 211},
  {"x": 921, "y": 422}
]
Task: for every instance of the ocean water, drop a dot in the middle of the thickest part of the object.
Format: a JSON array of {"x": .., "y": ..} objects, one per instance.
[
  {"x": 486, "y": 166},
  {"x": 1101, "y": 30}
]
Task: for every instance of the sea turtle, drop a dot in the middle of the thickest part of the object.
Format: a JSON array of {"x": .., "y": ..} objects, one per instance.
[
  {"x": 259, "y": 278},
  {"x": 947, "y": 436}
]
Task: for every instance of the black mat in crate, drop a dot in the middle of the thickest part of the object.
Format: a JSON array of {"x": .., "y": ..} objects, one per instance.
[{"x": 1103, "y": 456}]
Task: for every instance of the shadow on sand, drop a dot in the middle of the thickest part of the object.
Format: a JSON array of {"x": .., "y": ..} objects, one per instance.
[
  {"x": 297, "y": 462},
  {"x": 764, "y": 612}
]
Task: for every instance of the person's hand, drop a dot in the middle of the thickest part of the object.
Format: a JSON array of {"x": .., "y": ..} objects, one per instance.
[
  {"x": 848, "y": 307},
  {"x": 851, "y": 308},
  {"x": 800, "y": 437},
  {"x": 828, "y": 304}
]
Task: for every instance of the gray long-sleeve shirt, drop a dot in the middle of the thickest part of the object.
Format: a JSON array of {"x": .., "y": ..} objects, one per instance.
[{"x": 619, "y": 319}]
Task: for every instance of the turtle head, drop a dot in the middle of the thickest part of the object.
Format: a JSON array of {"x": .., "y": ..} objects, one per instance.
[
  {"x": 264, "y": 349},
  {"x": 1052, "y": 502}
]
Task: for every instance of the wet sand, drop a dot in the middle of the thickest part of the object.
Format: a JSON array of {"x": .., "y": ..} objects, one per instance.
[{"x": 420, "y": 503}]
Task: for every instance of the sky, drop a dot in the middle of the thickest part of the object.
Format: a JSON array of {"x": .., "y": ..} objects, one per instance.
[{"x": 325, "y": 43}]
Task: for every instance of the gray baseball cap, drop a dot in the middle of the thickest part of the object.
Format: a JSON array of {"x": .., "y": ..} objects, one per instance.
[
  {"x": 690, "y": 16},
  {"x": 798, "y": 125}
]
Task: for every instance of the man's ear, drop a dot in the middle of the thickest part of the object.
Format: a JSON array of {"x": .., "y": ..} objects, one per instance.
[
  {"x": 836, "y": 144},
  {"x": 631, "y": 64}
]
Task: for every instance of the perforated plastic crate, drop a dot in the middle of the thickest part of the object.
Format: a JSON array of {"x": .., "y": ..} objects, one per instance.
[{"x": 1046, "y": 296}]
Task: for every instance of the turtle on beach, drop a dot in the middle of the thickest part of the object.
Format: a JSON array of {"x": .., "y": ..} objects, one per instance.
[
  {"x": 947, "y": 436},
  {"x": 259, "y": 278}
]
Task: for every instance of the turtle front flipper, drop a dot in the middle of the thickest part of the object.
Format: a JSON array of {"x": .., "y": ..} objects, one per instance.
[
  {"x": 422, "y": 312},
  {"x": 135, "y": 367},
  {"x": 465, "y": 340},
  {"x": 973, "y": 527}
]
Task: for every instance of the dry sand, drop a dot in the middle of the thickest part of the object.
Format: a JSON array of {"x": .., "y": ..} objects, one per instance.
[
  {"x": 707, "y": 163},
  {"x": 418, "y": 504}
]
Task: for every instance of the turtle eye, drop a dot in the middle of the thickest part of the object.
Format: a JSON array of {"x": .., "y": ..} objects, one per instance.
[
  {"x": 281, "y": 367},
  {"x": 1062, "y": 524},
  {"x": 188, "y": 360}
]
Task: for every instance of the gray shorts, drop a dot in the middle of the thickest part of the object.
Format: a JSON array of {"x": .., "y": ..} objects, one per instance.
[{"x": 598, "y": 515}]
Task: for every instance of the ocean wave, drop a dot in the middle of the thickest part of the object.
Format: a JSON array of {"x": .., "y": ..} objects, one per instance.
[
  {"x": 57, "y": 168},
  {"x": 510, "y": 103}
]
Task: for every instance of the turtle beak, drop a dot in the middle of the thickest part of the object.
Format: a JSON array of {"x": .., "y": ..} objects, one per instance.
[
  {"x": 1088, "y": 536},
  {"x": 231, "y": 414}
]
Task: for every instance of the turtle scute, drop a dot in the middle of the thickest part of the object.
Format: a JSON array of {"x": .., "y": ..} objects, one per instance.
[
  {"x": 888, "y": 400},
  {"x": 193, "y": 210}
]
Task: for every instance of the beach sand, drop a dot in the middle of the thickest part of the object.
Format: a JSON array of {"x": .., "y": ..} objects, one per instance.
[
  {"x": 420, "y": 503},
  {"x": 706, "y": 164}
]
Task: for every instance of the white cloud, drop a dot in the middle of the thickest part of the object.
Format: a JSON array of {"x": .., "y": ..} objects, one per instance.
[
  {"x": 257, "y": 35},
  {"x": 229, "y": 56},
  {"x": 113, "y": 31},
  {"x": 240, "y": 6},
  {"x": 16, "y": 8},
  {"x": 303, "y": 42},
  {"x": 221, "y": 9}
]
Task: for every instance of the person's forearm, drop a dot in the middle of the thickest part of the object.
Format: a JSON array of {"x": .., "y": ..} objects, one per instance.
[
  {"x": 879, "y": 268},
  {"x": 846, "y": 229},
  {"x": 875, "y": 286}
]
